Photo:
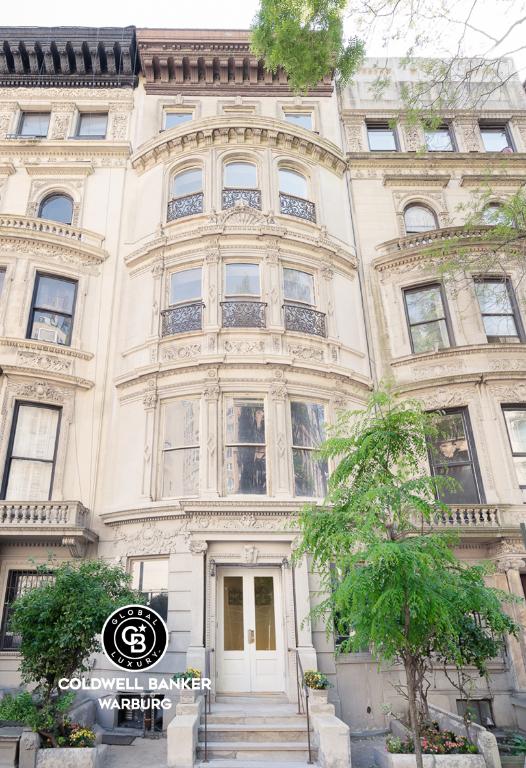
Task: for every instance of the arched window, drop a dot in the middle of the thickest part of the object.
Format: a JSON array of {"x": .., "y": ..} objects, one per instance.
[
  {"x": 240, "y": 175},
  {"x": 57, "y": 208},
  {"x": 292, "y": 183},
  {"x": 186, "y": 194},
  {"x": 293, "y": 195},
  {"x": 493, "y": 214},
  {"x": 418, "y": 218}
]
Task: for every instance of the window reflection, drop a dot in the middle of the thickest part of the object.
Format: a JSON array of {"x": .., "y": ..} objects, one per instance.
[
  {"x": 150, "y": 577},
  {"x": 245, "y": 453},
  {"x": 451, "y": 455},
  {"x": 308, "y": 432}
]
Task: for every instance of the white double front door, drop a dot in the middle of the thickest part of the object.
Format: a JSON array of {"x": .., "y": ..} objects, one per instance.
[{"x": 249, "y": 645}]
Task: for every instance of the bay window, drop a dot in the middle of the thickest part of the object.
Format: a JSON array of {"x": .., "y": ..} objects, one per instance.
[
  {"x": 180, "y": 448},
  {"x": 515, "y": 418},
  {"x": 308, "y": 432},
  {"x": 298, "y": 286},
  {"x": 30, "y": 465},
  {"x": 499, "y": 310},
  {"x": 427, "y": 318},
  {"x": 185, "y": 286},
  {"x": 245, "y": 450}
]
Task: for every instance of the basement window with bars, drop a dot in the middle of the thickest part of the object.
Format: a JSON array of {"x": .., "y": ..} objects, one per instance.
[{"x": 18, "y": 583}]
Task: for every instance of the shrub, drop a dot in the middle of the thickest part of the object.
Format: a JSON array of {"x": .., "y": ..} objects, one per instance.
[
  {"x": 434, "y": 742},
  {"x": 76, "y": 735},
  {"x": 189, "y": 674},
  {"x": 316, "y": 680}
]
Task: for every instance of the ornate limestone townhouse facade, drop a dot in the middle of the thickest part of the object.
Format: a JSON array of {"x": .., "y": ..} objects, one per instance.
[{"x": 199, "y": 271}]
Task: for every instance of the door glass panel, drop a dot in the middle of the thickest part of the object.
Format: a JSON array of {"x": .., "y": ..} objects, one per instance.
[
  {"x": 265, "y": 613},
  {"x": 233, "y": 613}
]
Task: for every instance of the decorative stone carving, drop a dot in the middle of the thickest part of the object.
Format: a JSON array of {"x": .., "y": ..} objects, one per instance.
[
  {"x": 119, "y": 126},
  {"x": 151, "y": 539},
  {"x": 150, "y": 395},
  {"x": 278, "y": 391},
  {"x": 212, "y": 392},
  {"x": 43, "y": 361},
  {"x": 41, "y": 390},
  {"x": 244, "y": 347},
  {"x": 197, "y": 547},
  {"x": 182, "y": 352},
  {"x": 470, "y": 133},
  {"x": 414, "y": 138},
  {"x": 306, "y": 353},
  {"x": 354, "y": 133},
  {"x": 250, "y": 554}
]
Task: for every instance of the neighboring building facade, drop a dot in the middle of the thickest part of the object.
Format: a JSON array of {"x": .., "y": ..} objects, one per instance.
[{"x": 183, "y": 311}]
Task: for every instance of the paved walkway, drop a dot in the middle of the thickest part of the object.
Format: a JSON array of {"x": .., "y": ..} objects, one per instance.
[{"x": 362, "y": 751}]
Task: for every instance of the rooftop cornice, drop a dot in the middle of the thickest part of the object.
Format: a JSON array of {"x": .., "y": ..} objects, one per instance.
[
  {"x": 87, "y": 57},
  {"x": 201, "y": 61},
  {"x": 235, "y": 129},
  {"x": 427, "y": 162}
]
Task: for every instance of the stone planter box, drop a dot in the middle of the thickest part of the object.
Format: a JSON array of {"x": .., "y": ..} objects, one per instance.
[
  {"x": 72, "y": 757},
  {"x": 187, "y": 697},
  {"x": 513, "y": 761},
  {"x": 384, "y": 759},
  {"x": 318, "y": 697}
]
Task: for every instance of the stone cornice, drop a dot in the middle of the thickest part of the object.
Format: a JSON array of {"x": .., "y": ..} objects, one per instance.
[
  {"x": 238, "y": 129},
  {"x": 60, "y": 169},
  {"x": 7, "y": 169},
  {"x": 205, "y": 61},
  {"x": 424, "y": 180},
  {"x": 512, "y": 349},
  {"x": 51, "y": 375},
  {"x": 97, "y": 153},
  {"x": 456, "y": 379},
  {"x": 447, "y": 114},
  {"x": 73, "y": 245},
  {"x": 428, "y": 163},
  {"x": 495, "y": 179},
  {"x": 40, "y": 346}
]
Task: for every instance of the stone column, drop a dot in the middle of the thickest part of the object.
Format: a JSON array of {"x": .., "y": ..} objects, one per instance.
[
  {"x": 327, "y": 303},
  {"x": 62, "y": 114},
  {"x": 508, "y": 579},
  {"x": 196, "y": 654},
  {"x": 210, "y": 441},
  {"x": 303, "y": 606},
  {"x": 277, "y": 442},
  {"x": 273, "y": 292},
  {"x": 150, "y": 403},
  {"x": 7, "y": 115},
  {"x": 468, "y": 134},
  {"x": 211, "y": 296}
]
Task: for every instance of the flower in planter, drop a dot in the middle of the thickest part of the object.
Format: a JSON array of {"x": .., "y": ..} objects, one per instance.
[
  {"x": 434, "y": 742},
  {"x": 188, "y": 675},
  {"x": 316, "y": 680},
  {"x": 75, "y": 735}
]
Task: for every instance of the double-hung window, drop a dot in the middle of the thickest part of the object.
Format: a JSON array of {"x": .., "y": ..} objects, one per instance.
[
  {"x": 241, "y": 308},
  {"x": 427, "y": 318},
  {"x": 515, "y": 417},
  {"x": 496, "y": 137},
  {"x": 185, "y": 286},
  {"x": 499, "y": 310},
  {"x": 452, "y": 454},
  {"x": 245, "y": 450},
  {"x": 150, "y": 578},
  {"x": 298, "y": 286},
  {"x": 34, "y": 125},
  {"x": 52, "y": 309},
  {"x": 381, "y": 137},
  {"x": 30, "y": 464},
  {"x": 180, "y": 449},
  {"x": 439, "y": 139},
  {"x": 174, "y": 119},
  {"x": 308, "y": 432},
  {"x": 92, "y": 125},
  {"x": 302, "y": 119},
  {"x": 18, "y": 583}
]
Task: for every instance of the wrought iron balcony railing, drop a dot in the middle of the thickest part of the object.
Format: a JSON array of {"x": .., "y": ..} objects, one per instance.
[
  {"x": 243, "y": 314},
  {"x": 304, "y": 320},
  {"x": 251, "y": 197},
  {"x": 182, "y": 319},
  {"x": 297, "y": 206},
  {"x": 185, "y": 206}
]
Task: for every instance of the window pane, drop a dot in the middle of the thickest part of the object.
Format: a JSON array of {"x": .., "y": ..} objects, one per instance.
[
  {"x": 242, "y": 280},
  {"x": 185, "y": 285},
  {"x": 56, "y": 294},
  {"x": 303, "y": 119},
  {"x": 381, "y": 138},
  {"x": 36, "y": 431},
  {"x": 34, "y": 124},
  {"x": 181, "y": 472},
  {"x": 424, "y": 304},
  {"x": 245, "y": 470},
  {"x": 451, "y": 444},
  {"x": 2, "y": 280},
  {"x": 520, "y": 469},
  {"x": 298, "y": 286},
  {"x": 93, "y": 124},
  {"x": 418, "y": 218},
  {"x": 187, "y": 182},
  {"x": 265, "y": 613},
  {"x": 245, "y": 421},
  {"x": 467, "y": 492},
  {"x": 29, "y": 480},
  {"x": 310, "y": 474},
  {"x": 430, "y": 336},
  {"x": 150, "y": 575},
  {"x": 240, "y": 175},
  {"x": 516, "y": 422},
  {"x": 493, "y": 214},
  {"x": 57, "y": 208},
  {"x": 495, "y": 139},
  {"x": 439, "y": 140},
  {"x": 171, "y": 119},
  {"x": 233, "y": 627},
  {"x": 181, "y": 424},
  {"x": 292, "y": 183},
  {"x": 48, "y": 326},
  {"x": 494, "y": 297},
  {"x": 308, "y": 424},
  {"x": 497, "y": 327}
]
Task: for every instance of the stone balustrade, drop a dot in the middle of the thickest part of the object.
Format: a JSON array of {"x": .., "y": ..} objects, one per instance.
[
  {"x": 46, "y": 513},
  {"x": 433, "y": 237},
  {"x": 473, "y": 516},
  {"x": 53, "y": 228}
]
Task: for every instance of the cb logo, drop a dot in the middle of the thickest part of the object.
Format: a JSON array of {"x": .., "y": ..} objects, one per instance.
[{"x": 134, "y": 637}]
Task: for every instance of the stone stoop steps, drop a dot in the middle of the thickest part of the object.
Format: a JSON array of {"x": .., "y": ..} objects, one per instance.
[{"x": 254, "y": 732}]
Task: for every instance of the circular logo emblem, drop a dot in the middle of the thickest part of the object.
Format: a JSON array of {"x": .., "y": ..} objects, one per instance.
[{"x": 134, "y": 637}]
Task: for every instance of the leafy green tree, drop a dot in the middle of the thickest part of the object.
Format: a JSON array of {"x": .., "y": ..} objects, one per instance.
[
  {"x": 305, "y": 38},
  {"x": 58, "y": 623},
  {"x": 399, "y": 589}
]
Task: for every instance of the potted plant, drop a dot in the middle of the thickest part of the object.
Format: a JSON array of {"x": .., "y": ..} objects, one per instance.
[
  {"x": 318, "y": 685},
  {"x": 187, "y": 694},
  {"x": 433, "y": 741}
]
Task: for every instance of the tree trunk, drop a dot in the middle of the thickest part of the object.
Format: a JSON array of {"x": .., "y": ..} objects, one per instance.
[{"x": 409, "y": 666}]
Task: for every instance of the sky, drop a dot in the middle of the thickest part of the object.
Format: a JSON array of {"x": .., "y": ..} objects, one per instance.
[{"x": 490, "y": 15}]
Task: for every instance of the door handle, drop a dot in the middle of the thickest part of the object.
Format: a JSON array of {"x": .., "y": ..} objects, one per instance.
[{"x": 250, "y": 635}]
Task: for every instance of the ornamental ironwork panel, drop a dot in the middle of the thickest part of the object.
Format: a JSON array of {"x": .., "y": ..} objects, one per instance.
[
  {"x": 304, "y": 320},
  {"x": 188, "y": 317},
  {"x": 243, "y": 314},
  {"x": 251, "y": 197},
  {"x": 297, "y": 206},
  {"x": 185, "y": 206}
]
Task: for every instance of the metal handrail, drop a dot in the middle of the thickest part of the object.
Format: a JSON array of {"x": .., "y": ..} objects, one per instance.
[
  {"x": 303, "y": 707},
  {"x": 208, "y": 700}
]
